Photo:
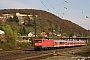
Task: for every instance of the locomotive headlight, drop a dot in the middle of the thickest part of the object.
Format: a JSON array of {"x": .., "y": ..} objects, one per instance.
[
  {"x": 36, "y": 44},
  {"x": 40, "y": 44}
]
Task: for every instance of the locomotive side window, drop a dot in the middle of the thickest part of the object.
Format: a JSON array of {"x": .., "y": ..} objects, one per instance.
[
  {"x": 38, "y": 41},
  {"x": 56, "y": 42},
  {"x": 62, "y": 42}
]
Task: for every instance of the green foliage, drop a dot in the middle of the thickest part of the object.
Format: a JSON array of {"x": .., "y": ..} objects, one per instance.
[
  {"x": 6, "y": 46},
  {"x": 56, "y": 27},
  {"x": 23, "y": 31},
  {"x": 10, "y": 35},
  {"x": 15, "y": 18},
  {"x": 10, "y": 19},
  {"x": 24, "y": 45}
]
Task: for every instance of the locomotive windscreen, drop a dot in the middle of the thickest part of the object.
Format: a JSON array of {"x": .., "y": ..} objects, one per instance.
[{"x": 38, "y": 41}]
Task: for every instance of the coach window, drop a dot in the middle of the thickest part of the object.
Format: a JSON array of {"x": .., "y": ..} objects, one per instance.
[
  {"x": 61, "y": 42},
  {"x": 68, "y": 42},
  {"x": 38, "y": 41}
]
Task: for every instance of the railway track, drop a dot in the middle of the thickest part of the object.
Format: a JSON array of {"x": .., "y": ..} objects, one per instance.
[{"x": 32, "y": 55}]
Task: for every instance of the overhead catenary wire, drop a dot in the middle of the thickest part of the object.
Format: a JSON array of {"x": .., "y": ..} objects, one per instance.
[
  {"x": 52, "y": 7},
  {"x": 65, "y": 1},
  {"x": 64, "y": 7},
  {"x": 44, "y": 4},
  {"x": 47, "y": 7},
  {"x": 56, "y": 5}
]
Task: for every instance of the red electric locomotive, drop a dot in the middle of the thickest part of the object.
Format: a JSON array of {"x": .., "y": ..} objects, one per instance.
[{"x": 41, "y": 43}]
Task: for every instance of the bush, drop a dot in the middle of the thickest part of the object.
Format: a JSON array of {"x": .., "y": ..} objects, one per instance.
[
  {"x": 6, "y": 46},
  {"x": 24, "y": 45}
]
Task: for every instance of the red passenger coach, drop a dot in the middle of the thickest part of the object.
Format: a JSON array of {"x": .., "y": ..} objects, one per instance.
[
  {"x": 43, "y": 43},
  {"x": 67, "y": 43}
]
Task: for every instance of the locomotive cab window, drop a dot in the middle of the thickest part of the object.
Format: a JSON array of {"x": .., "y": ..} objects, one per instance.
[{"x": 38, "y": 41}]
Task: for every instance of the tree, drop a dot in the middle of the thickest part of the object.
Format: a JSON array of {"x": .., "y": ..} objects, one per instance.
[
  {"x": 10, "y": 19},
  {"x": 70, "y": 35},
  {"x": 15, "y": 18},
  {"x": 10, "y": 37},
  {"x": 23, "y": 31},
  {"x": 56, "y": 27}
]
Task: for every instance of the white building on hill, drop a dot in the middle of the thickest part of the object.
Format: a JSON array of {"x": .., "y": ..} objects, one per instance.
[{"x": 2, "y": 32}]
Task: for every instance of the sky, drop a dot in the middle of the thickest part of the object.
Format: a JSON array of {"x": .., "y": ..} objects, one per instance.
[{"x": 77, "y": 11}]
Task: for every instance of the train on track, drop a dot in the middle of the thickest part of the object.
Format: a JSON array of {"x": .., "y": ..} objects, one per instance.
[{"x": 41, "y": 43}]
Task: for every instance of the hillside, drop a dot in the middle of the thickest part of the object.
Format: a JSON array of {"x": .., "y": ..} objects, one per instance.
[{"x": 48, "y": 21}]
